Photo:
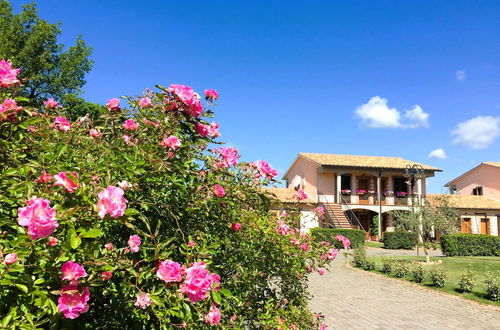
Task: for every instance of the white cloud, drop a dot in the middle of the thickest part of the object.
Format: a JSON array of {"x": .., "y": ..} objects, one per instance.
[
  {"x": 478, "y": 132},
  {"x": 376, "y": 114},
  {"x": 461, "y": 75},
  {"x": 438, "y": 153}
]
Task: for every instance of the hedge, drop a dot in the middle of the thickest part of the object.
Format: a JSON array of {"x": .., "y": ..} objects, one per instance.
[
  {"x": 356, "y": 236},
  {"x": 400, "y": 240},
  {"x": 470, "y": 245}
]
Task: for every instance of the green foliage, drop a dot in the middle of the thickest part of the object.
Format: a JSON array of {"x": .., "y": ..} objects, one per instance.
[
  {"x": 470, "y": 245},
  {"x": 401, "y": 269},
  {"x": 400, "y": 240},
  {"x": 75, "y": 107},
  {"x": 369, "y": 264},
  {"x": 356, "y": 236},
  {"x": 374, "y": 226},
  {"x": 31, "y": 44},
  {"x": 467, "y": 281},
  {"x": 418, "y": 273},
  {"x": 492, "y": 286},
  {"x": 359, "y": 257},
  {"x": 387, "y": 265},
  {"x": 438, "y": 276}
]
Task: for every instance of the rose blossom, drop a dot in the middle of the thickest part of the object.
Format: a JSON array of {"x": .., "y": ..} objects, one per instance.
[
  {"x": 134, "y": 242},
  {"x": 108, "y": 246},
  {"x": 211, "y": 94},
  {"x": 124, "y": 184},
  {"x": 198, "y": 282},
  {"x": 130, "y": 125},
  {"x": 236, "y": 226},
  {"x": 191, "y": 244},
  {"x": 300, "y": 195},
  {"x": 304, "y": 247},
  {"x": 106, "y": 275},
  {"x": 265, "y": 170},
  {"x": 320, "y": 211},
  {"x": 71, "y": 303},
  {"x": 113, "y": 104},
  {"x": 321, "y": 271},
  {"x": 345, "y": 241},
  {"x": 50, "y": 103},
  {"x": 61, "y": 123},
  {"x": 112, "y": 202},
  {"x": 187, "y": 95},
  {"x": 39, "y": 217},
  {"x": 282, "y": 228},
  {"x": 147, "y": 121},
  {"x": 8, "y": 76},
  {"x": 219, "y": 190},
  {"x": 8, "y": 109},
  {"x": 171, "y": 142},
  {"x": 229, "y": 156},
  {"x": 169, "y": 271},
  {"x": 10, "y": 258},
  {"x": 69, "y": 183},
  {"x": 213, "y": 316},
  {"x": 44, "y": 177},
  {"x": 94, "y": 133},
  {"x": 53, "y": 241},
  {"x": 32, "y": 128},
  {"x": 72, "y": 271},
  {"x": 145, "y": 102},
  {"x": 143, "y": 300}
]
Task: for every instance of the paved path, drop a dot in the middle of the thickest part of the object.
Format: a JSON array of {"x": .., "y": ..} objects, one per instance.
[{"x": 351, "y": 299}]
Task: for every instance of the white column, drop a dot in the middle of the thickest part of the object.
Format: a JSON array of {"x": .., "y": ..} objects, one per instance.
[
  {"x": 494, "y": 230},
  {"x": 338, "y": 187}
]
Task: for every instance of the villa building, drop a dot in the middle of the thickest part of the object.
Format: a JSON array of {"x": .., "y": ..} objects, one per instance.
[{"x": 353, "y": 189}]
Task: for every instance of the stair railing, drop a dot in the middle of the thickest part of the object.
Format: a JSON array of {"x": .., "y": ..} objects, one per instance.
[
  {"x": 329, "y": 211},
  {"x": 350, "y": 214}
]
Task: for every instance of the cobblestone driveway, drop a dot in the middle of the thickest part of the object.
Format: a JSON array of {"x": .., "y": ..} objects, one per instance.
[{"x": 352, "y": 299}]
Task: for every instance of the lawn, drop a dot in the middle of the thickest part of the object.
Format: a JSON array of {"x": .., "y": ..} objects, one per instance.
[
  {"x": 374, "y": 244},
  {"x": 454, "y": 266}
]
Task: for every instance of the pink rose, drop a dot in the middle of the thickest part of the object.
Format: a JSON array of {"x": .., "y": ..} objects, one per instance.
[
  {"x": 143, "y": 300},
  {"x": 323, "y": 326},
  {"x": 219, "y": 190},
  {"x": 304, "y": 247},
  {"x": 169, "y": 271},
  {"x": 345, "y": 241},
  {"x": 320, "y": 211},
  {"x": 134, "y": 242},
  {"x": 282, "y": 228},
  {"x": 171, "y": 142},
  {"x": 187, "y": 95},
  {"x": 53, "y": 241},
  {"x": 72, "y": 303},
  {"x": 236, "y": 226},
  {"x": 71, "y": 271},
  {"x": 8, "y": 76},
  {"x": 198, "y": 282},
  {"x": 44, "y": 178},
  {"x": 213, "y": 316},
  {"x": 113, "y": 104},
  {"x": 50, "y": 103},
  {"x": 32, "y": 128},
  {"x": 61, "y": 124},
  {"x": 112, "y": 202},
  {"x": 130, "y": 125},
  {"x": 69, "y": 183},
  {"x": 39, "y": 217},
  {"x": 300, "y": 195},
  {"x": 147, "y": 121},
  {"x": 10, "y": 258},
  {"x": 229, "y": 156},
  {"x": 94, "y": 133},
  {"x": 106, "y": 275},
  {"x": 211, "y": 130},
  {"x": 8, "y": 109},
  {"x": 321, "y": 271},
  {"x": 211, "y": 94},
  {"x": 191, "y": 244},
  {"x": 265, "y": 170},
  {"x": 124, "y": 184},
  {"x": 145, "y": 102},
  {"x": 108, "y": 246},
  {"x": 332, "y": 253}
]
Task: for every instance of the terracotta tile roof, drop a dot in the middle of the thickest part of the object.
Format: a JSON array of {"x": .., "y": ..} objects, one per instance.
[
  {"x": 496, "y": 164},
  {"x": 362, "y": 161},
  {"x": 466, "y": 201},
  {"x": 287, "y": 195}
]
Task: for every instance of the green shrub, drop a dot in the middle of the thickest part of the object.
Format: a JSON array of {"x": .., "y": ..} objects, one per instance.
[
  {"x": 438, "y": 277},
  {"x": 401, "y": 269},
  {"x": 466, "y": 282},
  {"x": 418, "y": 273},
  {"x": 359, "y": 257},
  {"x": 356, "y": 236},
  {"x": 369, "y": 264},
  {"x": 470, "y": 245},
  {"x": 387, "y": 265},
  {"x": 492, "y": 286},
  {"x": 400, "y": 240}
]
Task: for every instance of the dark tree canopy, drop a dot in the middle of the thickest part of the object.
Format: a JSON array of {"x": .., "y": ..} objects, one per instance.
[{"x": 31, "y": 44}]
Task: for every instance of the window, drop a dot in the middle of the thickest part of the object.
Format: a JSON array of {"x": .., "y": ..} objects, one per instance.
[
  {"x": 400, "y": 185},
  {"x": 478, "y": 191},
  {"x": 453, "y": 190},
  {"x": 345, "y": 183}
]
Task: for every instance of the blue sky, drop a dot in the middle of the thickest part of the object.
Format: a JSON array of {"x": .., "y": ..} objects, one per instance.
[{"x": 389, "y": 78}]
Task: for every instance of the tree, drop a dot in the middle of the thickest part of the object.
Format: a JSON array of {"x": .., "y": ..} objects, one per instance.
[
  {"x": 426, "y": 218},
  {"x": 30, "y": 43}
]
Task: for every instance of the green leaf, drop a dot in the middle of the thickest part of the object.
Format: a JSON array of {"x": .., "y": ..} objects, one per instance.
[
  {"x": 226, "y": 292},
  {"x": 93, "y": 233},
  {"x": 216, "y": 297},
  {"x": 74, "y": 240},
  {"x": 131, "y": 212},
  {"x": 60, "y": 149},
  {"x": 22, "y": 287}
]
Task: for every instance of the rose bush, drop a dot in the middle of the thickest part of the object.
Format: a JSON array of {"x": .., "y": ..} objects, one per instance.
[{"x": 134, "y": 220}]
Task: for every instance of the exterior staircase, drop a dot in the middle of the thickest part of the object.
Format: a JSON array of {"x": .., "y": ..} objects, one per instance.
[{"x": 336, "y": 217}]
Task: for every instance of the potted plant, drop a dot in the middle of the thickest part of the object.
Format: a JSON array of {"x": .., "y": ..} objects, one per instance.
[
  {"x": 388, "y": 193},
  {"x": 345, "y": 192},
  {"x": 361, "y": 192},
  {"x": 401, "y": 194}
]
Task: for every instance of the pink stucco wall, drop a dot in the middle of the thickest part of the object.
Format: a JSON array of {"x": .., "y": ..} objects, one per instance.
[
  {"x": 307, "y": 171},
  {"x": 486, "y": 176}
]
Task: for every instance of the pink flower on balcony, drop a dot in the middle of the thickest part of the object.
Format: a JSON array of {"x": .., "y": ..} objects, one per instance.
[
  {"x": 61, "y": 124},
  {"x": 143, "y": 300},
  {"x": 113, "y": 104},
  {"x": 130, "y": 125},
  {"x": 345, "y": 241},
  {"x": 94, "y": 133},
  {"x": 72, "y": 303},
  {"x": 211, "y": 94},
  {"x": 134, "y": 242},
  {"x": 187, "y": 95},
  {"x": 8, "y": 76},
  {"x": 282, "y": 228},
  {"x": 265, "y": 170},
  {"x": 72, "y": 271},
  {"x": 236, "y": 226},
  {"x": 145, "y": 102},
  {"x": 171, "y": 142},
  {"x": 198, "y": 282},
  {"x": 39, "y": 217},
  {"x": 169, "y": 271},
  {"x": 69, "y": 183},
  {"x": 8, "y": 109},
  {"x": 219, "y": 190},
  {"x": 10, "y": 258},
  {"x": 44, "y": 177},
  {"x": 300, "y": 195},
  {"x": 112, "y": 202},
  {"x": 50, "y": 103},
  {"x": 213, "y": 316}
]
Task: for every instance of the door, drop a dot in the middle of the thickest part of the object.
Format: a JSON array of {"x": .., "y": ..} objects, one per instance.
[
  {"x": 466, "y": 228},
  {"x": 364, "y": 219},
  {"x": 485, "y": 226}
]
